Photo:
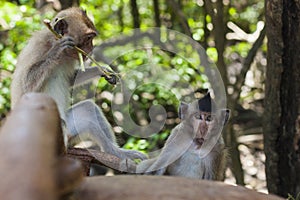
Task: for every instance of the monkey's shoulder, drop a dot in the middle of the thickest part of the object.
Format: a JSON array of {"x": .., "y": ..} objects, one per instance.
[{"x": 36, "y": 48}]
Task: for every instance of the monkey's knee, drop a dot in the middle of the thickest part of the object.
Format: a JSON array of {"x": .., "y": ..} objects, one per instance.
[
  {"x": 82, "y": 117},
  {"x": 83, "y": 107}
]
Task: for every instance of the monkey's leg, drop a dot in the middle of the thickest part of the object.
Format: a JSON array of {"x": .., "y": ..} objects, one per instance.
[{"x": 87, "y": 118}]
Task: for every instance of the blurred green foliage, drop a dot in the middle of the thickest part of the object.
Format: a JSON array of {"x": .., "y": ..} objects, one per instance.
[{"x": 17, "y": 23}]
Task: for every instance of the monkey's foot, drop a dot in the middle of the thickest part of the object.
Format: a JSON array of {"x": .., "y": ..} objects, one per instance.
[{"x": 158, "y": 172}]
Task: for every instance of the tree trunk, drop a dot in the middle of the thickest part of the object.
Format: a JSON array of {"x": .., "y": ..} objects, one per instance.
[
  {"x": 156, "y": 13},
  {"x": 281, "y": 140},
  {"x": 219, "y": 32},
  {"x": 177, "y": 11},
  {"x": 68, "y": 3},
  {"x": 135, "y": 14}
]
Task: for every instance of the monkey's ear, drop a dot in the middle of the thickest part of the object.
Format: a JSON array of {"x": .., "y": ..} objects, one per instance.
[
  {"x": 60, "y": 26},
  {"x": 183, "y": 110},
  {"x": 225, "y": 113}
]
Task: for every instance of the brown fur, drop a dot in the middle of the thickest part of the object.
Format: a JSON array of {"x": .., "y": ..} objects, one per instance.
[{"x": 36, "y": 66}]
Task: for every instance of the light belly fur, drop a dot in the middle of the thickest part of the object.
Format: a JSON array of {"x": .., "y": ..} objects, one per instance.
[{"x": 58, "y": 88}]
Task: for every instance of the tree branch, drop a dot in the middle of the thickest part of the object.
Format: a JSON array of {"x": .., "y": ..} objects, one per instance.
[
  {"x": 247, "y": 63},
  {"x": 91, "y": 156},
  {"x": 180, "y": 16}
]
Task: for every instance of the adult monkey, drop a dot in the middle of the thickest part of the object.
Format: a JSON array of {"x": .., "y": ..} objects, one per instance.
[{"x": 48, "y": 65}]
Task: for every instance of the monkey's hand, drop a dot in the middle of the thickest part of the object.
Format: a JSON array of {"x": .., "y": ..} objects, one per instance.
[
  {"x": 63, "y": 48},
  {"x": 127, "y": 165},
  {"x": 150, "y": 167},
  {"x": 158, "y": 172},
  {"x": 112, "y": 79}
]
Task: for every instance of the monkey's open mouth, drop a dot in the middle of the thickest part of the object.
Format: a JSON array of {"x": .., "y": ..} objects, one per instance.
[{"x": 199, "y": 141}]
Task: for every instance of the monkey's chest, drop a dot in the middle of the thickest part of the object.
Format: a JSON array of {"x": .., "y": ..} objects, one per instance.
[
  {"x": 189, "y": 165},
  {"x": 58, "y": 88}
]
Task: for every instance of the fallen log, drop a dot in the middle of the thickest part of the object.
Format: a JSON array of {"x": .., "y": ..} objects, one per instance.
[{"x": 129, "y": 187}]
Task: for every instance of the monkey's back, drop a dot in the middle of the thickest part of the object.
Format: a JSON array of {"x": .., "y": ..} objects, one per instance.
[
  {"x": 55, "y": 81},
  {"x": 35, "y": 49}
]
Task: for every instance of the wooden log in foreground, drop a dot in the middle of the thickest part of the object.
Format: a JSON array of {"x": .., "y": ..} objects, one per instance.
[
  {"x": 32, "y": 165},
  {"x": 27, "y": 146},
  {"x": 162, "y": 187}
]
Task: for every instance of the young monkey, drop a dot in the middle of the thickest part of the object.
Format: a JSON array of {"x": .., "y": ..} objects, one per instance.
[
  {"x": 195, "y": 147},
  {"x": 49, "y": 65}
]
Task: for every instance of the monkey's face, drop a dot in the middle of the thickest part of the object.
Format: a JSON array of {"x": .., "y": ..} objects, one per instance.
[
  {"x": 204, "y": 121},
  {"x": 86, "y": 42},
  {"x": 83, "y": 39},
  {"x": 75, "y": 23},
  {"x": 201, "y": 122}
]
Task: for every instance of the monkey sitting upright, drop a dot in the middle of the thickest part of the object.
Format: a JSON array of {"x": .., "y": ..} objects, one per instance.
[
  {"x": 195, "y": 147},
  {"x": 49, "y": 65}
]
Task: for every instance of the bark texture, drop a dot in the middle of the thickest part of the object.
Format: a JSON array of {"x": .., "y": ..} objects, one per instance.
[{"x": 281, "y": 138}]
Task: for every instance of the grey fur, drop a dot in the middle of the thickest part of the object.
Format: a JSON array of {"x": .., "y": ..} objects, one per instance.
[{"x": 207, "y": 162}]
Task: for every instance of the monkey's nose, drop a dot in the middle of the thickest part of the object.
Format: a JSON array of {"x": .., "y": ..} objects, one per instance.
[{"x": 199, "y": 141}]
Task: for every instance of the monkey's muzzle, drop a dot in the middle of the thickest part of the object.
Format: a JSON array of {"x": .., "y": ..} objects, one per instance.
[{"x": 198, "y": 141}]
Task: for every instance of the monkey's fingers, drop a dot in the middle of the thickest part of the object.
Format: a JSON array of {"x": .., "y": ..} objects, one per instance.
[{"x": 113, "y": 79}]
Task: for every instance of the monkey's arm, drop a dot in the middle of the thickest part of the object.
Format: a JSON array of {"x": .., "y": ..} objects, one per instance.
[
  {"x": 40, "y": 71},
  {"x": 37, "y": 75},
  {"x": 159, "y": 164},
  {"x": 161, "y": 171},
  {"x": 146, "y": 167},
  {"x": 219, "y": 162}
]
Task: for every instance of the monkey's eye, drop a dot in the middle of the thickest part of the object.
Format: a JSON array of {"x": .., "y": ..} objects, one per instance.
[
  {"x": 198, "y": 116},
  {"x": 209, "y": 118},
  {"x": 89, "y": 37}
]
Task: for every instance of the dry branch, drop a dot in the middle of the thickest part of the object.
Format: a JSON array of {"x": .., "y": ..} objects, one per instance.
[
  {"x": 89, "y": 156},
  {"x": 247, "y": 63}
]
